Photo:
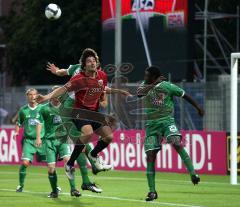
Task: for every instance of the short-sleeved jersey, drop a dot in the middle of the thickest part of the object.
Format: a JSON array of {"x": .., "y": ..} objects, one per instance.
[
  {"x": 159, "y": 101},
  {"x": 88, "y": 91},
  {"x": 74, "y": 69},
  {"x": 28, "y": 118},
  {"x": 51, "y": 119}
]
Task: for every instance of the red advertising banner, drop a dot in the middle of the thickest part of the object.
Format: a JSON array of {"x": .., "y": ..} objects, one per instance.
[
  {"x": 175, "y": 11},
  {"x": 208, "y": 151}
]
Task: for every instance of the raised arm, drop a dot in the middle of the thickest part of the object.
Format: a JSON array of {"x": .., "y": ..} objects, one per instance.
[
  {"x": 54, "y": 94},
  {"x": 190, "y": 100},
  {"x": 56, "y": 70}
]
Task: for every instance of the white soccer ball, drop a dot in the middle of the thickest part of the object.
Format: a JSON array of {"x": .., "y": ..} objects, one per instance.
[{"x": 53, "y": 11}]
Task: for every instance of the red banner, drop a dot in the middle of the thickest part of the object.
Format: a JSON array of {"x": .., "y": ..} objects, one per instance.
[
  {"x": 208, "y": 151},
  {"x": 176, "y": 11}
]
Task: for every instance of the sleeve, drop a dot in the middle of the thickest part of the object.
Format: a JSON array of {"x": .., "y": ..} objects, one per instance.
[
  {"x": 71, "y": 69},
  {"x": 175, "y": 90},
  {"x": 20, "y": 118},
  {"x": 41, "y": 117},
  {"x": 76, "y": 83}
]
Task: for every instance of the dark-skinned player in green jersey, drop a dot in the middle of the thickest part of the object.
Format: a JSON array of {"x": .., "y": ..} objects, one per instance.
[{"x": 157, "y": 95}]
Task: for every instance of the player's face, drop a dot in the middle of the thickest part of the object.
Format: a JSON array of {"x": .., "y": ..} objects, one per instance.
[
  {"x": 91, "y": 64},
  {"x": 148, "y": 79},
  {"x": 31, "y": 97},
  {"x": 55, "y": 101}
]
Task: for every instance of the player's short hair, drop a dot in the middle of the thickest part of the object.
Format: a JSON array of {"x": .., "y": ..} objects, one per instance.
[
  {"x": 88, "y": 52},
  {"x": 30, "y": 90},
  {"x": 154, "y": 71},
  {"x": 55, "y": 87}
]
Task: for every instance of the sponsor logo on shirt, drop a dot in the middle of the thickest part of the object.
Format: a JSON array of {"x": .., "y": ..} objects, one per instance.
[
  {"x": 57, "y": 119},
  {"x": 32, "y": 122},
  {"x": 95, "y": 90},
  {"x": 100, "y": 82}
]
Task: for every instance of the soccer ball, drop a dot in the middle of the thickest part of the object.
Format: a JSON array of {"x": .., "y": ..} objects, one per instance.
[{"x": 53, "y": 11}]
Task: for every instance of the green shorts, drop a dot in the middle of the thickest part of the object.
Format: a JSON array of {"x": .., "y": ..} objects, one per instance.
[
  {"x": 54, "y": 149},
  {"x": 156, "y": 130},
  {"x": 67, "y": 132},
  {"x": 29, "y": 149}
]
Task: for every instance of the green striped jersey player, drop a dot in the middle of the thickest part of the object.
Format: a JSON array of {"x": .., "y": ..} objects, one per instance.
[
  {"x": 28, "y": 117},
  {"x": 51, "y": 122}
]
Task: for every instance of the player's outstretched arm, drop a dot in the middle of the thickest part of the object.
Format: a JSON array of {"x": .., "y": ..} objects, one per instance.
[
  {"x": 54, "y": 94},
  {"x": 56, "y": 70},
  {"x": 194, "y": 103},
  {"x": 116, "y": 90}
]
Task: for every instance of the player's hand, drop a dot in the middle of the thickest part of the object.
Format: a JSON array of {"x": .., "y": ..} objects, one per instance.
[
  {"x": 52, "y": 68},
  {"x": 201, "y": 112},
  {"x": 38, "y": 142},
  {"x": 41, "y": 98}
]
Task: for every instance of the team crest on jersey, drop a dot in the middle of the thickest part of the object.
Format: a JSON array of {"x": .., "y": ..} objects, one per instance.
[
  {"x": 100, "y": 82},
  {"x": 158, "y": 100}
]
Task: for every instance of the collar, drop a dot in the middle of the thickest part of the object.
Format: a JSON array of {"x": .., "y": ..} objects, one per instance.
[
  {"x": 84, "y": 74},
  {"x": 32, "y": 108}
]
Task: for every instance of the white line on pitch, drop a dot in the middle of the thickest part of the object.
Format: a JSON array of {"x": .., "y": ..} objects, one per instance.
[
  {"x": 112, "y": 198},
  {"x": 124, "y": 178}
]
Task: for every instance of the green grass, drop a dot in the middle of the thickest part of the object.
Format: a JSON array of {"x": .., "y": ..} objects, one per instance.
[{"x": 120, "y": 189}]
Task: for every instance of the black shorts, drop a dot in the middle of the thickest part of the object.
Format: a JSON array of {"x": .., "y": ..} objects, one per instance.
[{"x": 79, "y": 123}]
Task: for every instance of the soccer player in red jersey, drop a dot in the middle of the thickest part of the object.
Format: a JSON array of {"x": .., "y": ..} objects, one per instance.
[{"x": 89, "y": 87}]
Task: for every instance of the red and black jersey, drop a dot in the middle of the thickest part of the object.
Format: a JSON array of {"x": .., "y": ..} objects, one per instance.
[{"x": 88, "y": 90}]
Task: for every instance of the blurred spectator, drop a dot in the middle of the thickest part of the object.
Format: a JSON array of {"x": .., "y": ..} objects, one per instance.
[{"x": 3, "y": 115}]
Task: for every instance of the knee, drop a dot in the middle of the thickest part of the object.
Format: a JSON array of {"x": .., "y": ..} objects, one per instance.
[
  {"x": 151, "y": 156},
  {"x": 26, "y": 163},
  {"x": 65, "y": 159},
  {"x": 108, "y": 138},
  {"x": 84, "y": 139},
  {"x": 51, "y": 169},
  {"x": 176, "y": 142}
]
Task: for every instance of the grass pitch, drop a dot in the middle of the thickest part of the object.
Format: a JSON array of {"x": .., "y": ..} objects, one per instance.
[{"x": 120, "y": 188}]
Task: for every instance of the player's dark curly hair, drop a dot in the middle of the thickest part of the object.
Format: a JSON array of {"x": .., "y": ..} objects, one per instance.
[
  {"x": 154, "y": 71},
  {"x": 88, "y": 52}
]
